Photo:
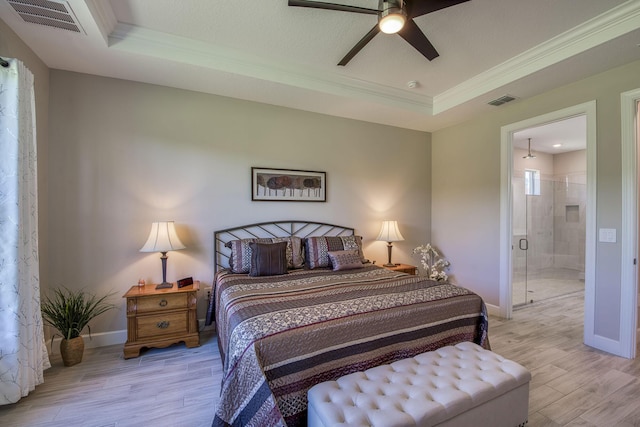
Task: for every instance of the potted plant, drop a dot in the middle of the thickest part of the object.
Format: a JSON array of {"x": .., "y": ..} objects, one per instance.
[{"x": 69, "y": 312}]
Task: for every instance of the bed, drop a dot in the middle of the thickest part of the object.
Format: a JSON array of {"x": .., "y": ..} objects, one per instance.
[{"x": 279, "y": 334}]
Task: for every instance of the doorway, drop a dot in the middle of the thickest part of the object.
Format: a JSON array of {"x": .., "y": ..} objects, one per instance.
[
  {"x": 549, "y": 210},
  {"x": 630, "y": 237},
  {"x": 506, "y": 211}
]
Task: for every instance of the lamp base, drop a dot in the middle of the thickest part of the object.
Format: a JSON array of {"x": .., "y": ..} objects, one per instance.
[
  {"x": 164, "y": 285},
  {"x": 389, "y": 263}
]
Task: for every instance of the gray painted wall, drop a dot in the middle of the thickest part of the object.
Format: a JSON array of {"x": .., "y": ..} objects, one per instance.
[
  {"x": 124, "y": 154},
  {"x": 466, "y": 188}
]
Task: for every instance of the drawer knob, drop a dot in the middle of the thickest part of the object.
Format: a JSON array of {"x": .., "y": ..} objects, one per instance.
[
  {"x": 163, "y": 303},
  {"x": 163, "y": 325}
]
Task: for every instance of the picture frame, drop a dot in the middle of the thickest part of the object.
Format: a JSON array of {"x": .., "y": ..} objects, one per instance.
[{"x": 288, "y": 185}]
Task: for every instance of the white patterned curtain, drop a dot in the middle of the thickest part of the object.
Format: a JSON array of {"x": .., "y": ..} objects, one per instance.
[{"x": 23, "y": 353}]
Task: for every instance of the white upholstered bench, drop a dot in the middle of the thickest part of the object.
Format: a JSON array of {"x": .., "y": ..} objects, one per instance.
[{"x": 461, "y": 385}]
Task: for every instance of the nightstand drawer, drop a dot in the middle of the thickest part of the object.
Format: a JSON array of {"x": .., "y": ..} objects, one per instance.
[
  {"x": 161, "y": 317},
  {"x": 162, "y": 302},
  {"x": 163, "y": 324}
]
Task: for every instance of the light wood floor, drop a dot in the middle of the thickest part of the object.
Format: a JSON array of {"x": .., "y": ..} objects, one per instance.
[
  {"x": 572, "y": 384},
  {"x": 172, "y": 387}
]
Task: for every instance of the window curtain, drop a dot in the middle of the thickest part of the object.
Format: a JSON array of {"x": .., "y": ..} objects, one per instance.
[{"x": 23, "y": 353}]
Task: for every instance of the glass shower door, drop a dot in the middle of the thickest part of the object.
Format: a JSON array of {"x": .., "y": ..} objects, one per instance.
[
  {"x": 548, "y": 239},
  {"x": 520, "y": 243}
]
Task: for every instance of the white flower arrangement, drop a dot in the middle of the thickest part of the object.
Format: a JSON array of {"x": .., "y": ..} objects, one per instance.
[{"x": 432, "y": 262}]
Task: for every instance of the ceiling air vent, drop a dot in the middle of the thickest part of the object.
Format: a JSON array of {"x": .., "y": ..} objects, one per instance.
[
  {"x": 57, "y": 14},
  {"x": 502, "y": 100}
]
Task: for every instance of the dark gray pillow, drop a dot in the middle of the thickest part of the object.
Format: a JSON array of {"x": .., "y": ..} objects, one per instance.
[{"x": 268, "y": 259}]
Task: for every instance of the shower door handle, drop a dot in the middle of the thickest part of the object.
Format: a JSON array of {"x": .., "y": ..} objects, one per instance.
[{"x": 523, "y": 244}]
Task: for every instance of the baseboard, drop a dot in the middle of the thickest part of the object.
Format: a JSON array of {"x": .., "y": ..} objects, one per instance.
[
  {"x": 203, "y": 328},
  {"x": 606, "y": 344},
  {"x": 103, "y": 339},
  {"x": 493, "y": 310}
]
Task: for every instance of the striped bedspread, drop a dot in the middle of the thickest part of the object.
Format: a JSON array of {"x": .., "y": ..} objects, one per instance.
[{"x": 280, "y": 335}]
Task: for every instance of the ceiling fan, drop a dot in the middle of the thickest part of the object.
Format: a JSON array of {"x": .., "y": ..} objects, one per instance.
[{"x": 394, "y": 16}]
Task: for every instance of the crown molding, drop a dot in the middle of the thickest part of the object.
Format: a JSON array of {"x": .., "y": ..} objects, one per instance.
[
  {"x": 103, "y": 16},
  {"x": 607, "y": 26},
  {"x": 128, "y": 38},
  {"x": 169, "y": 47}
]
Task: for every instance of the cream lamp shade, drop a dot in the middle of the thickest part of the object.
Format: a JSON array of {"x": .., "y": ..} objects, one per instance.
[
  {"x": 163, "y": 238},
  {"x": 389, "y": 232}
]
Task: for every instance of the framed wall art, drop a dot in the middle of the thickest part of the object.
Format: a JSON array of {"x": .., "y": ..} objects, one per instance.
[{"x": 288, "y": 185}]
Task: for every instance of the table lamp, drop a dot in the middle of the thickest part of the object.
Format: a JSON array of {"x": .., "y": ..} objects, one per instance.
[
  {"x": 163, "y": 238},
  {"x": 390, "y": 233}
]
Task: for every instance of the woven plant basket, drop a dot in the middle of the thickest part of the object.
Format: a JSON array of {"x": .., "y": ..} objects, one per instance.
[{"x": 72, "y": 351}]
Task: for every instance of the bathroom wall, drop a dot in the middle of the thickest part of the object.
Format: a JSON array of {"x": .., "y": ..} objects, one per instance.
[{"x": 570, "y": 198}]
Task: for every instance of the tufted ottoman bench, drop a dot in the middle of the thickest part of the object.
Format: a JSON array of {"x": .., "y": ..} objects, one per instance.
[{"x": 461, "y": 385}]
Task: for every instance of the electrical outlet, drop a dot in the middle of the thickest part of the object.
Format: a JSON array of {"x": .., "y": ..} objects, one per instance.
[{"x": 209, "y": 289}]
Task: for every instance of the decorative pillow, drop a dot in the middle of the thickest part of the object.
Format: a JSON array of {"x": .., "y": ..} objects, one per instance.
[
  {"x": 345, "y": 260},
  {"x": 240, "y": 258},
  {"x": 268, "y": 259},
  {"x": 317, "y": 248},
  {"x": 295, "y": 251}
]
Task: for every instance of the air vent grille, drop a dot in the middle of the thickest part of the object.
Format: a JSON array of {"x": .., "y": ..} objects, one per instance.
[
  {"x": 49, "y": 13},
  {"x": 502, "y": 100}
]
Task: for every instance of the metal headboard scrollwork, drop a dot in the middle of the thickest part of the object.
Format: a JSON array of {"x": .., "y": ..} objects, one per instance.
[{"x": 300, "y": 229}]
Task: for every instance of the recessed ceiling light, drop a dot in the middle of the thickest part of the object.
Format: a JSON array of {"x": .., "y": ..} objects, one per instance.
[{"x": 557, "y": 145}]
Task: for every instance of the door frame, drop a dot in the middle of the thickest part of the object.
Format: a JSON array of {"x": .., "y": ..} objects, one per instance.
[
  {"x": 506, "y": 208},
  {"x": 629, "y": 233}
]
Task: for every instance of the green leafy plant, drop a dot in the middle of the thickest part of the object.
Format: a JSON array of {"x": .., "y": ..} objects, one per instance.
[{"x": 70, "y": 311}]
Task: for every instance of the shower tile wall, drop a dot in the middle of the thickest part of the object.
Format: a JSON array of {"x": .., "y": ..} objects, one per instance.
[
  {"x": 569, "y": 231},
  {"x": 541, "y": 228}
]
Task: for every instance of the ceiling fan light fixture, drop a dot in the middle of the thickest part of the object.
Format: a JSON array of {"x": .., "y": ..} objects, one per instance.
[{"x": 392, "y": 17}]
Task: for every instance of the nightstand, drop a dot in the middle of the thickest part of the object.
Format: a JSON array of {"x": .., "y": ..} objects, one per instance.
[
  {"x": 161, "y": 317},
  {"x": 404, "y": 268}
]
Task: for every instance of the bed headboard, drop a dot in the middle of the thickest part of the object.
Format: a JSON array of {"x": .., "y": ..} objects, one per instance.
[{"x": 300, "y": 229}]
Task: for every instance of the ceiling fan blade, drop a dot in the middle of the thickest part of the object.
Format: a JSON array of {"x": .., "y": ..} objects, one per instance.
[
  {"x": 358, "y": 47},
  {"x": 416, "y": 38},
  {"x": 332, "y": 6},
  {"x": 417, "y": 8}
]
